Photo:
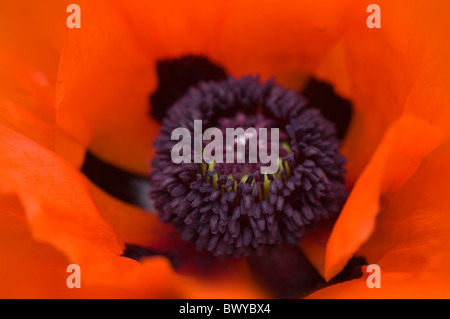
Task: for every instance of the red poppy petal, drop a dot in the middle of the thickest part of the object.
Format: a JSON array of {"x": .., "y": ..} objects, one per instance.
[
  {"x": 401, "y": 67},
  {"x": 106, "y": 91},
  {"x": 58, "y": 208},
  {"x": 394, "y": 285},
  {"x": 411, "y": 240},
  {"x": 414, "y": 223},
  {"x": 286, "y": 40},
  {"x": 131, "y": 224},
  {"x": 31, "y": 37},
  {"x": 28, "y": 269},
  {"x": 404, "y": 146},
  {"x": 62, "y": 212},
  {"x": 103, "y": 94},
  {"x": 33, "y": 269},
  {"x": 22, "y": 120}
]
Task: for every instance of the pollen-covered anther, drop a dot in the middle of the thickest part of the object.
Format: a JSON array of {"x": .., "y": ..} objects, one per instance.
[{"x": 232, "y": 209}]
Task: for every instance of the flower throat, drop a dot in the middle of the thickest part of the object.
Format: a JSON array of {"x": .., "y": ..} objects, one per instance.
[{"x": 230, "y": 207}]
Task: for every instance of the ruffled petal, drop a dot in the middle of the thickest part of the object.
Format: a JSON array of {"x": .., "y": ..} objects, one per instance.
[
  {"x": 401, "y": 67},
  {"x": 102, "y": 96},
  {"x": 411, "y": 241},
  {"x": 133, "y": 225},
  {"x": 400, "y": 153},
  {"x": 389, "y": 74},
  {"x": 25, "y": 262},
  {"x": 414, "y": 223},
  {"x": 31, "y": 37},
  {"x": 23, "y": 120},
  {"x": 429, "y": 284},
  {"x": 107, "y": 90},
  {"x": 31, "y": 48},
  {"x": 47, "y": 278},
  {"x": 59, "y": 209},
  {"x": 69, "y": 220}
]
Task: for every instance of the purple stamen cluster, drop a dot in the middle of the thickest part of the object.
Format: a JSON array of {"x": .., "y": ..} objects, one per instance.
[
  {"x": 231, "y": 215},
  {"x": 248, "y": 169}
]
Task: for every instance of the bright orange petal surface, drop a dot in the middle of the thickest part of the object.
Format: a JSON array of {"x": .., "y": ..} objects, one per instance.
[
  {"x": 31, "y": 40},
  {"x": 105, "y": 80},
  {"x": 34, "y": 269},
  {"x": 428, "y": 284},
  {"x": 108, "y": 68},
  {"x": 131, "y": 224},
  {"x": 59, "y": 210},
  {"x": 411, "y": 240},
  {"x": 399, "y": 70},
  {"x": 28, "y": 269},
  {"x": 401, "y": 67},
  {"x": 398, "y": 156},
  {"x": 414, "y": 223}
]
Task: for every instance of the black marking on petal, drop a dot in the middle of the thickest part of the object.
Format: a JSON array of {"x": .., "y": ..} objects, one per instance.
[
  {"x": 335, "y": 108},
  {"x": 287, "y": 273},
  {"x": 137, "y": 252},
  {"x": 177, "y": 76},
  {"x": 123, "y": 185},
  {"x": 351, "y": 271},
  {"x": 248, "y": 214}
]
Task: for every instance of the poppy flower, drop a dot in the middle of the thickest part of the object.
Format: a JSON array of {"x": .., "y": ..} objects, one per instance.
[{"x": 111, "y": 89}]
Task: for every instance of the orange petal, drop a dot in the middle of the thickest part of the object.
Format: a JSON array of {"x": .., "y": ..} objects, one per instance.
[
  {"x": 24, "y": 121},
  {"x": 102, "y": 97},
  {"x": 401, "y": 67},
  {"x": 62, "y": 210},
  {"x": 131, "y": 224},
  {"x": 31, "y": 37},
  {"x": 429, "y": 284},
  {"x": 106, "y": 91},
  {"x": 47, "y": 276},
  {"x": 33, "y": 269},
  {"x": 414, "y": 223},
  {"x": 361, "y": 66},
  {"x": 411, "y": 240},
  {"x": 402, "y": 149},
  {"x": 28, "y": 269},
  {"x": 58, "y": 207},
  {"x": 229, "y": 32}
]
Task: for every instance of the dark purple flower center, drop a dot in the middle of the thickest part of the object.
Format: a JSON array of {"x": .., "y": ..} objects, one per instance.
[
  {"x": 231, "y": 209},
  {"x": 244, "y": 170}
]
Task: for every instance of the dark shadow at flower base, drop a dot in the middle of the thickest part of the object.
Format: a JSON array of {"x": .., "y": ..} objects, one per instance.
[
  {"x": 333, "y": 107},
  {"x": 130, "y": 188},
  {"x": 283, "y": 271}
]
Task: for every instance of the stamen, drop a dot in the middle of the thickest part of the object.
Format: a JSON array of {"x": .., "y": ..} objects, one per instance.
[{"x": 232, "y": 209}]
